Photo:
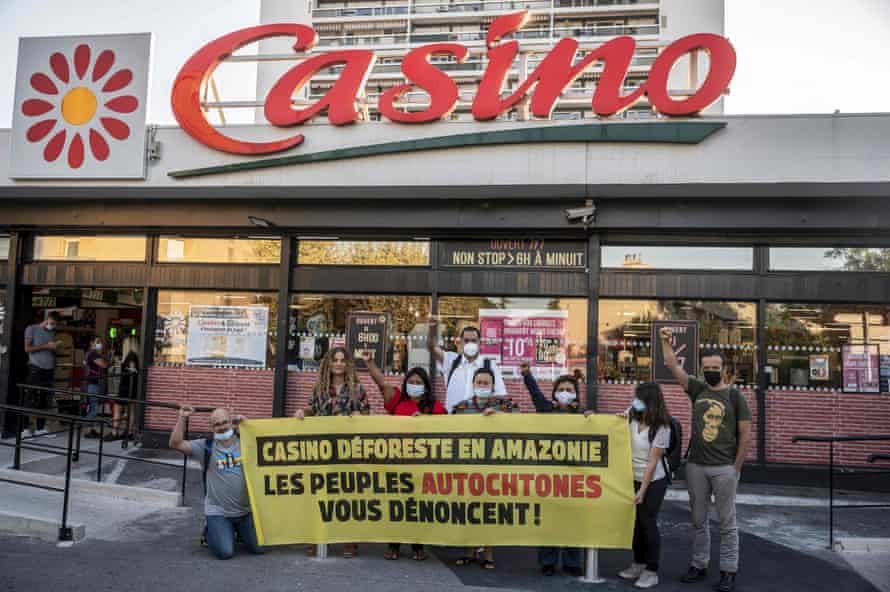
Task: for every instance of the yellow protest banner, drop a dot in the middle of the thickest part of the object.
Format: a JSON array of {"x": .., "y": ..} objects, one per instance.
[{"x": 543, "y": 480}]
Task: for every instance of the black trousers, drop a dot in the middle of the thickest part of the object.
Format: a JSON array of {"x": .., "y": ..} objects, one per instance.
[
  {"x": 647, "y": 538},
  {"x": 38, "y": 399}
]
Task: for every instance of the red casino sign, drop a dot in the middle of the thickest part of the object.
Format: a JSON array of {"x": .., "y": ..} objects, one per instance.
[{"x": 545, "y": 84}]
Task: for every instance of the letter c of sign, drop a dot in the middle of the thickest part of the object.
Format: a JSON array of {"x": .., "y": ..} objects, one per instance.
[{"x": 186, "y": 96}]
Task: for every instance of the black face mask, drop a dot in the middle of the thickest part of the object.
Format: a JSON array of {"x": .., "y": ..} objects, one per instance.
[{"x": 713, "y": 377}]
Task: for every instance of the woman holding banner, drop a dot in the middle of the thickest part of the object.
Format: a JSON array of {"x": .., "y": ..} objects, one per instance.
[
  {"x": 564, "y": 399},
  {"x": 650, "y": 436},
  {"x": 415, "y": 397},
  {"x": 338, "y": 391},
  {"x": 483, "y": 401}
]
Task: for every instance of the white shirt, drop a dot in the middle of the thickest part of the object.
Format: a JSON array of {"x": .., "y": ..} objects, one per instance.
[
  {"x": 639, "y": 442},
  {"x": 461, "y": 386}
]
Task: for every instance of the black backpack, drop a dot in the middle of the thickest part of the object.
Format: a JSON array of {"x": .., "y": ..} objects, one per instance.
[
  {"x": 486, "y": 363},
  {"x": 673, "y": 456}
]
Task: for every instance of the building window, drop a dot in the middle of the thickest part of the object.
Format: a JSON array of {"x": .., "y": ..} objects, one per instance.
[
  {"x": 89, "y": 248},
  {"x": 319, "y": 322},
  {"x": 350, "y": 252},
  {"x": 625, "y": 335},
  {"x": 673, "y": 257},
  {"x": 218, "y": 250},
  {"x": 3, "y": 346},
  {"x": 549, "y": 334},
  {"x": 4, "y": 248},
  {"x": 806, "y": 345},
  {"x": 829, "y": 259},
  {"x": 234, "y": 329}
]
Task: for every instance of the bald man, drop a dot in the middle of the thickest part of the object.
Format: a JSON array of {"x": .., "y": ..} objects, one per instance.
[{"x": 226, "y": 505}]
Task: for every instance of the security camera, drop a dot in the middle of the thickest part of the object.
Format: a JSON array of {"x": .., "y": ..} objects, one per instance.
[{"x": 584, "y": 215}]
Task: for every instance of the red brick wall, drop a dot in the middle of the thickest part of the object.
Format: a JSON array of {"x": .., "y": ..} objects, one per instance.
[{"x": 246, "y": 392}]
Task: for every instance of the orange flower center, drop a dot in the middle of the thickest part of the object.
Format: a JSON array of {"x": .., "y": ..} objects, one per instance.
[{"x": 79, "y": 105}]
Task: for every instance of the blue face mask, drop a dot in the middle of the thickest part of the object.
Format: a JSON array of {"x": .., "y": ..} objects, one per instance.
[
  {"x": 638, "y": 405},
  {"x": 226, "y": 435},
  {"x": 482, "y": 393},
  {"x": 415, "y": 390}
]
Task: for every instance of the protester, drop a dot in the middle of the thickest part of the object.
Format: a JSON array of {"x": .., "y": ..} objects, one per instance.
[
  {"x": 124, "y": 417},
  {"x": 416, "y": 397},
  {"x": 41, "y": 345},
  {"x": 459, "y": 368},
  {"x": 650, "y": 437},
  {"x": 721, "y": 437},
  {"x": 485, "y": 401},
  {"x": 226, "y": 505},
  {"x": 338, "y": 391},
  {"x": 564, "y": 399},
  {"x": 94, "y": 378}
]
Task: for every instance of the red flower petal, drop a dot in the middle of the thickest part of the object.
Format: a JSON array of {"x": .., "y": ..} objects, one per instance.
[
  {"x": 117, "y": 128},
  {"x": 120, "y": 79},
  {"x": 39, "y": 130},
  {"x": 54, "y": 147},
  {"x": 103, "y": 64},
  {"x": 59, "y": 63},
  {"x": 124, "y": 104},
  {"x": 41, "y": 83},
  {"x": 81, "y": 59},
  {"x": 75, "y": 152},
  {"x": 98, "y": 145},
  {"x": 33, "y": 107}
]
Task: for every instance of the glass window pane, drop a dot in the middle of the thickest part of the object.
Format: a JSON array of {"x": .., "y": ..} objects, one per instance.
[
  {"x": 625, "y": 335},
  {"x": 550, "y": 334},
  {"x": 672, "y": 257},
  {"x": 805, "y": 341},
  {"x": 829, "y": 259},
  {"x": 345, "y": 252},
  {"x": 4, "y": 247},
  {"x": 4, "y": 348},
  {"x": 89, "y": 248},
  {"x": 216, "y": 328},
  {"x": 318, "y": 323},
  {"x": 218, "y": 250}
]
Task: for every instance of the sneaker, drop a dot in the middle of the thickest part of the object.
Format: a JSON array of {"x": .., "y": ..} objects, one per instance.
[
  {"x": 27, "y": 433},
  {"x": 548, "y": 570},
  {"x": 694, "y": 574},
  {"x": 648, "y": 579},
  {"x": 726, "y": 583},
  {"x": 633, "y": 572}
]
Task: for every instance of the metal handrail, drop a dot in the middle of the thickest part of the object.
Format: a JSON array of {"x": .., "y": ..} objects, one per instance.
[{"x": 831, "y": 440}]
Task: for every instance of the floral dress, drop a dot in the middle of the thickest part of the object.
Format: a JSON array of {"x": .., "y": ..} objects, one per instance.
[
  {"x": 474, "y": 405},
  {"x": 339, "y": 403}
]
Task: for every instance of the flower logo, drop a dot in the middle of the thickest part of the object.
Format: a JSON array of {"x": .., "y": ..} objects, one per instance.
[{"x": 83, "y": 105}]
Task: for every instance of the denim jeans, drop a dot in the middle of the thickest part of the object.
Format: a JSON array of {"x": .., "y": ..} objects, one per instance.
[
  {"x": 93, "y": 402},
  {"x": 221, "y": 535}
]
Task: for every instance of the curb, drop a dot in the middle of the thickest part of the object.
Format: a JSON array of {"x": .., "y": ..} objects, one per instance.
[
  {"x": 166, "y": 499},
  {"x": 34, "y": 526}
]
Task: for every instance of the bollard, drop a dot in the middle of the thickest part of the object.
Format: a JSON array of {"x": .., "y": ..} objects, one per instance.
[
  {"x": 321, "y": 551},
  {"x": 591, "y": 569}
]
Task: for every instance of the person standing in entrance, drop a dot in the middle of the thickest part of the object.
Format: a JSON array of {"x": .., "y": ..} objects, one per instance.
[
  {"x": 40, "y": 345},
  {"x": 721, "y": 437},
  {"x": 94, "y": 377},
  {"x": 459, "y": 368}
]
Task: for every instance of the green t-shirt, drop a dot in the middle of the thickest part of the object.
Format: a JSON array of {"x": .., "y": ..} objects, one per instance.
[{"x": 714, "y": 424}]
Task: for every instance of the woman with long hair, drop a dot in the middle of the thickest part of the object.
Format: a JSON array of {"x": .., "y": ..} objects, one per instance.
[
  {"x": 650, "y": 435},
  {"x": 337, "y": 391},
  {"x": 415, "y": 397}
]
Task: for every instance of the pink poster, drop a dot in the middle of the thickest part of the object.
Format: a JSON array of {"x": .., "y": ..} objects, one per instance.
[
  {"x": 861, "y": 368},
  {"x": 536, "y": 337}
]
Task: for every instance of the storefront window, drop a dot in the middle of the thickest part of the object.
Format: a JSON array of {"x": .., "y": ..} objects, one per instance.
[
  {"x": 89, "y": 248},
  {"x": 4, "y": 248},
  {"x": 346, "y": 252},
  {"x": 218, "y": 250},
  {"x": 672, "y": 257},
  {"x": 625, "y": 335},
  {"x": 549, "y": 334},
  {"x": 216, "y": 328},
  {"x": 829, "y": 259},
  {"x": 397, "y": 335},
  {"x": 4, "y": 349},
  {"x": 809, "y": 346}
]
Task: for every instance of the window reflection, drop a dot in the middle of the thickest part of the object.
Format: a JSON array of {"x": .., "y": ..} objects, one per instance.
[
  {"x": 218, "y": 250},
  {"x": 673, "y": 257},
  {"x": 4, "y": 247},
  {"x": 829, "y": 259},
  {"x": 89, "y": 248},
  {"x": 346, "y": 252}
]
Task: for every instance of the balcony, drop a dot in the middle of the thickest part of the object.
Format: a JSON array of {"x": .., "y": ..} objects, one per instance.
[
  {"x": 382, "y": 11},
  {"x": 505, "y": 6}
]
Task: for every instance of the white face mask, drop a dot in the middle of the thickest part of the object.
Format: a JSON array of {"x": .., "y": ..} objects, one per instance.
[
  {"x": 565, "y": 397},
  {"x": 226, "y": 435},
  {"x": 98, "y": 347},
  {"x": 415, "y": 391},
  {"x": 50, "y": 326},
  {"x": 482, "y": 393},
  {"x": 471, "y": 349}
]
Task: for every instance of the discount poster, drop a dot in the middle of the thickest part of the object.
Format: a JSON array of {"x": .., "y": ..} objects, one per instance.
[
  {"x": 861, "y": 369},
  {"x": 537, "y": 337},
  {"x": 227, "y": 336}
]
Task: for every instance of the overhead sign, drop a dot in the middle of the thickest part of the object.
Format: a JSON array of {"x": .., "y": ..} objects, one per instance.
[
  {"x": 510, "y": 479},
  {"x": 556, "y": 72},
  {"x": 80, "y": 105},
  {"x": 684, "y": 343},
  {"x": 366, "y": 332},
  {"x": 227, "y": 336},
  {"x": 514, "y": 254}
]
